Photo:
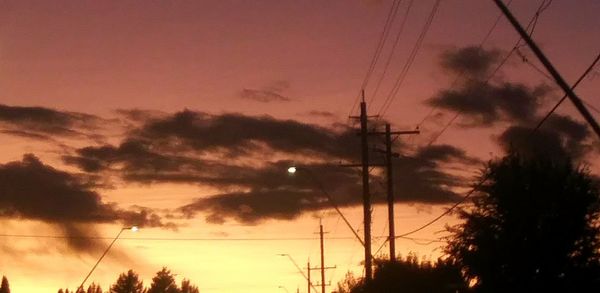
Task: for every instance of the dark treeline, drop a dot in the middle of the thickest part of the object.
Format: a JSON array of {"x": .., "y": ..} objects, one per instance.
[
  {"x": 532, "y": 226},
  {"x": 409, "y": 274},
  {"x": 130, "y": 282}
]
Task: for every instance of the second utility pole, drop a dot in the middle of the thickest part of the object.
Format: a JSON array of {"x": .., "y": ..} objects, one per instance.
[
  {"x": 364, "y": 133},
  {"x": 390, "y": 190},
  {"x": 390, "y": 183}
]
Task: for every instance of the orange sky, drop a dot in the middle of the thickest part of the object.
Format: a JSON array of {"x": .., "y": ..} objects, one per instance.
[{"x": 284, "y": 59}]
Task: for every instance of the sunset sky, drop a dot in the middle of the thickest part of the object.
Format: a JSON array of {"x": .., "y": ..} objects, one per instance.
[{"x": 183, "y": 116}]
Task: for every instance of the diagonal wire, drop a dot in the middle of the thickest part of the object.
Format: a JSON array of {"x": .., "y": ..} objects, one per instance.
[
  {"x": 409, "y": 62},
  {"x": 483, "y": 41},
  {"x": 587, "y": 71},
  {"x": 392, "y": 52},
  {"x": 530, "y": 26},
  {"x": 488, "y": 174},
  {"x": 384, "y": 34}
]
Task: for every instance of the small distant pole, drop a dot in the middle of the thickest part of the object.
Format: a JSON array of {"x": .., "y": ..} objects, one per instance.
[
  {"x": 308, "y": 273},
  {"x": 322, "y": 260}
]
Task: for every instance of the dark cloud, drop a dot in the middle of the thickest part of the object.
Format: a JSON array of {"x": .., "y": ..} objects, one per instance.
[
  {"x": 132, "y": 156},
  {"x": 271, "y": 93},
  {"x": 169, "y": 149},
  {"x": 215, "y": 150},
  {"x": 238, "y": 134},
  {"x": 483, "y": 102},
  {"x": 32, "y": 190},
  {"x": 559, "y": 137},
  {"x": 472, "y": 62},
  {"x": 272, "y": 194},
  {"x": 421, "y": 178},
  {"x": 44, "y": 121}
]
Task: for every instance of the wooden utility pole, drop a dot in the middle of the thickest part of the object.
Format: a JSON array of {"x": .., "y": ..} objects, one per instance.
[
  {"x": 308, "y": 272},
  {"x": 548, "y": 65},
  {"x": 323, "y": 267},
  {"x": 390, "y": 190},
  {"x": 365, "y": 181},
  {"x": 322, "y": 260},
  {"x": 389, "y": 155}
]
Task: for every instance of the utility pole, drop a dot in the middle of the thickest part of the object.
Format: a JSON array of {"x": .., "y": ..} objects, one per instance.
[
  {"x": 323, "y": 267},
  {"x": 390, "y": 185},
  {"x": 390, "y": 190},
  {"x": 548, "y": 65},
  {"x": 322, "y": 259},
  {"x": 308, "y": 272},
  {"x": 365, "y": 181},
  {"x": 389, "y": 156},
  {"x": 364, "y": 133}
]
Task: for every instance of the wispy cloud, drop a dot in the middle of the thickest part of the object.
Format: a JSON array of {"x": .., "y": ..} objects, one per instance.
[{"x": 271, "y": 93}]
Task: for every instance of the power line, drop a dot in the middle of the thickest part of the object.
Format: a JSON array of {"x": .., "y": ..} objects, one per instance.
[
  {"x": 392, "y": 51},
  {"x": 410, "y": 60},
  {"x": 585, "y": 73},
  {"x": 196, "y": 239},
  {"x": 462, "y": 72},
  {"x": 448, "y": 211},
  {"x": 488, "y": 174},
  {"x": 531, "y": 26},
  {"x": 560, "y": 81},
  {"x": 384, "y": 34}
]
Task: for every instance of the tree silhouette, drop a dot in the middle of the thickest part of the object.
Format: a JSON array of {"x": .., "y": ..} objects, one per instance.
[
  {"x": 93, "y": 288},
  {"x": 128, "y": 283},
  {"x": 349, "y": 283},
  {"x": 186, "y": 287},
  {"x": 163, "y": 282},
  {"x": 533, "y": 228},
  {"x": 409, "y": 275},
  {"x": 4, "y": 288}
]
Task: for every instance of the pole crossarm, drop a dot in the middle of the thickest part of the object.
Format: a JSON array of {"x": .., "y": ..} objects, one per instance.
[{"x": 404, "y": 132}]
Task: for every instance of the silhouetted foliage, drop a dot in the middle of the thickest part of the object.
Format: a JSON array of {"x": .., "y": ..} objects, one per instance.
[
  {"x": 4, "y": 288},
  {"x": 349, "y": 283},
  {"x": 533, "y": 228},
  {"x": 93, "y": 288},
  {"x": 409, "y": 275},
  {"x": 186, "y": 287},
  {"x": 128, "y": 283},
  {"x": 163, "y": 282}
]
